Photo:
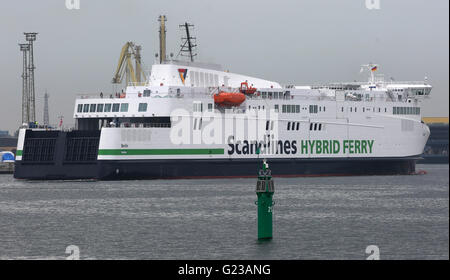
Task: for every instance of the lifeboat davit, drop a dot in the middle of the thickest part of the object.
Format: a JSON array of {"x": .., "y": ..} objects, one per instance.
[
  {"x": 229, "y": 98},
  {"x": 246, "y": 89}
]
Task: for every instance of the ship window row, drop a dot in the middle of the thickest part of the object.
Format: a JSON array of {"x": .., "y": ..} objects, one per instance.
[
  {"x": 316, "y": 127},
  {"x": 198, "y": 123},
  {"x": 293, "y": 126},
  {"x": 142, "y": 107},
  {"x": 406, "y": 110},
  {"x": 275, "y": 95},
  {"x": 198, "y": 107},
  {"x": 312, "y": 126},
  {"x": 290, "y": 108},
  {"x": 355, "y": 109},
  {"x": 269, "y": 125},
  {"x": 100, "y": 108},
  {"x": 259, "y": 107},
  {"x": 414, "y": 91},
  {"x": 421, "y": 91},
  {"x": 202, "y": 79},
  {"x": 313, "y": 109}
]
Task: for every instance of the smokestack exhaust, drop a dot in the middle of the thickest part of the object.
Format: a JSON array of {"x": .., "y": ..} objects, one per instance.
[{"x": 162, "y": 38}]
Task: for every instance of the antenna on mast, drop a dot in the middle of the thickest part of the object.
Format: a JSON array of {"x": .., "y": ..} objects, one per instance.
[
  {"x": 372, "y": 68},
  {"x": 188, "y": 43}
]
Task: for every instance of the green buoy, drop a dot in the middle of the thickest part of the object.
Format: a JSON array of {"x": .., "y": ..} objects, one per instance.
[{"x": 264, "y": 191}]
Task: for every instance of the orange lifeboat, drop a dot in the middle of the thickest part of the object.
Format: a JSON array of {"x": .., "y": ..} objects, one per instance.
[
  {"x": 229, "y": 98},
  {"x": 246, "y": 89}
]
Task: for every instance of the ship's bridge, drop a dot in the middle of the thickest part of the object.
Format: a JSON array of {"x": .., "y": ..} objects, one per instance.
[{"x": 412, "y": 89}]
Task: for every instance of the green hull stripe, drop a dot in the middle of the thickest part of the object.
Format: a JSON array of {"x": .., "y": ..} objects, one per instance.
[
  {"x": 19, "y": 153},
  {"x": 139, "y": 152}
]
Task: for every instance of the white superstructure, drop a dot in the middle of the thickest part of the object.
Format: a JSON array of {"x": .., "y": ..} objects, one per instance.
[{"x": 374, "y": 119}]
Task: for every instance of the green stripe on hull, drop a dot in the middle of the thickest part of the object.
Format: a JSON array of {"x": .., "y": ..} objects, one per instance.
[{"x": 139, "y": 152}]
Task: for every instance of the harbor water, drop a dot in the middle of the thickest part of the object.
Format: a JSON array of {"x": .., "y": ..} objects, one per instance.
[{"x": 406, "y": 217}]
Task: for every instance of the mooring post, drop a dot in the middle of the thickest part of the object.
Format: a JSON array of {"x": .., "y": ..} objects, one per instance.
[{"x": 264, "y": 191}]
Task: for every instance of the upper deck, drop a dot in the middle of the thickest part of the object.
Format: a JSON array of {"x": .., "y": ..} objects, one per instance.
[{"x": 178, "y": 85}]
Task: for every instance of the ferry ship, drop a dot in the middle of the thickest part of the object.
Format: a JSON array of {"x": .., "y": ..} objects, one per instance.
[{"x": 195, "y": 120}]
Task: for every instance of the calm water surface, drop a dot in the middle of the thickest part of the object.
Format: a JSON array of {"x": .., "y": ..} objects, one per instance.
[{"x": 407, "y": 217}]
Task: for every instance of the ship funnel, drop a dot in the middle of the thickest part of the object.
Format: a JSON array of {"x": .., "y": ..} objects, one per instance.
[{"x": 162, "y": 38}]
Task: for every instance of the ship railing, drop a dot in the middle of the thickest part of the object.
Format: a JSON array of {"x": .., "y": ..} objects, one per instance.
[
  {"x": 100, "y": 95},
  {"x": 405, "y": 82},
  {"x": 50, "y": 128},
  {"x": 67, "y": 129},
  {"x": 140, "y": 125},
  {"x": 90, "y": 95},
  {"x": 378, "y": 81},
  {"x": 214, "y": 90},
  {"x": 137, "y": 84}
]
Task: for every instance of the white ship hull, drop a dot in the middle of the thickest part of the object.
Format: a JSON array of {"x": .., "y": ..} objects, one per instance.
[{"x": 173, "y": 128}]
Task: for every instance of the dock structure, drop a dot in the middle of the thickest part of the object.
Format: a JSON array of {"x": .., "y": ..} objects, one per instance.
[
  {"x": 28, "y": 85},
  {"x": 6, "y": 168},
  {"x": 436, "y": 149},
  {"x": 8, "y": 145},
  {"x": 30, "y": 38},
  {"x": 25, "y": 48}
]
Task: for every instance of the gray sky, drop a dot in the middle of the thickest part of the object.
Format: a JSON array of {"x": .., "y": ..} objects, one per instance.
[{"x": 293, "y": 42}]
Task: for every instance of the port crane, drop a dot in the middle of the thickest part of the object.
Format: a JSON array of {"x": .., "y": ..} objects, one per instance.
[{"x": 125, "y": 66}]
